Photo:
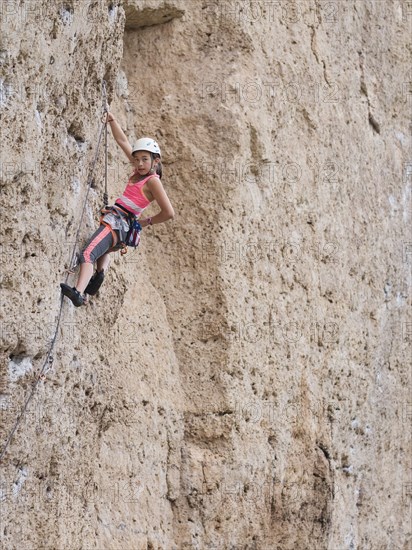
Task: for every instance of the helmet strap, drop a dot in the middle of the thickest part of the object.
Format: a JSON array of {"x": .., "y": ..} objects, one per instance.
[{"x": 152, "y": 169}]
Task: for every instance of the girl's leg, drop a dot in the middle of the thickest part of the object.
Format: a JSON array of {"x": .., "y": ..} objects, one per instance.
[
  {"x": 97, "y": 247},
  {"x": 86, "y": 272},
  {"x": 103, "y": 262},
  {"x": 97, "y": 280}
]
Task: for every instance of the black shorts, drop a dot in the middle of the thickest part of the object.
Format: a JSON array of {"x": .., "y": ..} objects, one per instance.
[{"x": 99, "y": 243}]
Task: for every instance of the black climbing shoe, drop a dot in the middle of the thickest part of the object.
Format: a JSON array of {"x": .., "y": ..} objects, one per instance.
[
  {"x": 95, "y": 283},
  {"x": 73, "y": 294}
]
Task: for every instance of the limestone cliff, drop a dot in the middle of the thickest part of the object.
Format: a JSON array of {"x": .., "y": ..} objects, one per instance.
[{"x": 242, "y": 380}]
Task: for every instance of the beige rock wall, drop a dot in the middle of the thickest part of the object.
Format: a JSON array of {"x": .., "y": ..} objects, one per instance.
[{"x": 242, "y": 381}]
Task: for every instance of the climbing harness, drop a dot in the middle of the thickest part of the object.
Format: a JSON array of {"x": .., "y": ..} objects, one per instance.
[
  {"x": 50, "y": 358},
  {"x": 132, "y": 237}
]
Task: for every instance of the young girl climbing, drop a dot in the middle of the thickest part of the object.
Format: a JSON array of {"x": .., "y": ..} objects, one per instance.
[{"x": 144, "y": 186}]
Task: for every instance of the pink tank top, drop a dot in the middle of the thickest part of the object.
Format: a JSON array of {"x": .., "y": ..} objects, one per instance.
[{"x": 133, "y": 198}]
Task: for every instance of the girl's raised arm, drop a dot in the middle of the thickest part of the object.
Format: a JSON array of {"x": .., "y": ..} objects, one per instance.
[{"x": 120, "y": 136}]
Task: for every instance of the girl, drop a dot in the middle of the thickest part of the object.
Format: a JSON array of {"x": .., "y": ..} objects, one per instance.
[{"x": 143, "y": 187}]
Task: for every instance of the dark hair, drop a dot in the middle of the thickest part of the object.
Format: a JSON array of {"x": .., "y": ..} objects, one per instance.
[{"x": 159, "y": 168}]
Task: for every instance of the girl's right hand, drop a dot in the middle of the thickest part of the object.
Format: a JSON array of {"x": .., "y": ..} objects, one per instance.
[{"x": 107, "y": 117}]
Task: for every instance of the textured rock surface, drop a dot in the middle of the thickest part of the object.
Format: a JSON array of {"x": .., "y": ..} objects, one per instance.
[{"x": 242, "y": 381}]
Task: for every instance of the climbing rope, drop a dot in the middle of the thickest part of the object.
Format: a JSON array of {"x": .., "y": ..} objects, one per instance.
[
  {"x": 105, "y": 111},
  {"x": 91, "y": 179},
  {"x": 49, "y": 358}
]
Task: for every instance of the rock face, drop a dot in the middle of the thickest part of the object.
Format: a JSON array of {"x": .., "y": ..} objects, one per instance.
[{"x": 242, "y": 380}]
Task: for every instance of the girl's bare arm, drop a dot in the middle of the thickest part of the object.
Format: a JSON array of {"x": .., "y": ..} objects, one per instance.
[
  {"x": 120, "y": 136},
  {"x": 166, "y": 209}
]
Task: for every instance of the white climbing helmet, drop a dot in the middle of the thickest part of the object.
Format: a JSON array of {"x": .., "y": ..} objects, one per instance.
[{"x": 146, "y": 144}]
